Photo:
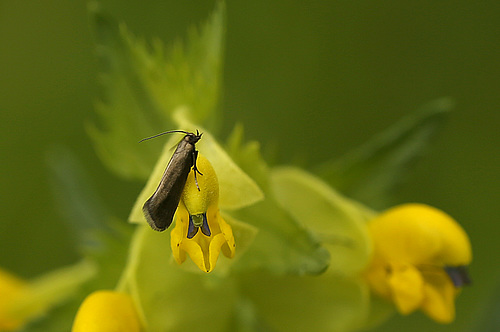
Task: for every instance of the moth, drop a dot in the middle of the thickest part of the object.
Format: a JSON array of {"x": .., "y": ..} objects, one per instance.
[{"x": 160, "y": 208}]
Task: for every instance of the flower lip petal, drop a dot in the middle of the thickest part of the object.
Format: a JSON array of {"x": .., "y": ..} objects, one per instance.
[
  {"x": 439, "y": 297},
  {"x": 406, "y": 284}
]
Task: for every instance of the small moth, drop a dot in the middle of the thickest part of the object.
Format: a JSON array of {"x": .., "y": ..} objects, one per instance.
[{"x": 160, "y": 208}]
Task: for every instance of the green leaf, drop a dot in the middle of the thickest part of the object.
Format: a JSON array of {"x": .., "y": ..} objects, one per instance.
[
  {"x": 339, "y": 223},
  {"x": 308, "y": 303},
  {"x": 143, "y": 86},
  {"x": 370, "y": 172}
]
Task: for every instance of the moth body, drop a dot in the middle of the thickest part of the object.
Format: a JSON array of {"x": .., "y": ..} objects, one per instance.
[{"x": 160, "y": 208}]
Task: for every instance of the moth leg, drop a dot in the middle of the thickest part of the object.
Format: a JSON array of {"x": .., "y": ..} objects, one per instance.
[{"x": 195, "y": 169}]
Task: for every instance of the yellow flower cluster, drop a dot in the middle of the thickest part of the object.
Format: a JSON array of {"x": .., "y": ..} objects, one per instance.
[{"x": 419, "y": 260}]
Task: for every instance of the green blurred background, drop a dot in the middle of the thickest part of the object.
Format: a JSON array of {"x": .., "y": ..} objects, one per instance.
[{"x": 308, "y": 79}]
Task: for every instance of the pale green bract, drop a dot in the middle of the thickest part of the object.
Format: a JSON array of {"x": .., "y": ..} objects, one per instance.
[{"x": 338, "y": 222}]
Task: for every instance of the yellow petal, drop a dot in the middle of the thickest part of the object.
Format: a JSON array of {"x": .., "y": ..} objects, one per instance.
[
  {"x": 11, "y": 288},
  {"x": 229, "y": 246},
  {"x": 376, "y": 276},
  {"x": 198, "y": 198},
  {"x": 176, "y": 237},
  {"x": 215, "y": 248},
  {"x": 424, "y": 241},
  {"x": 196, "y": 254},
  {"x": 439, "y": 293},
  {"x": 407, "y": 286},
  {"x": 420, "y": 234},
  {"x": 107, "y": 311},
  {"x": 203, "y": 250}
]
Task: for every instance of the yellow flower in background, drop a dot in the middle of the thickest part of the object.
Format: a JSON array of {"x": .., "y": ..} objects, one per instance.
[
  {"x": 107, "y": 311},
  {"x": 11, "y": 289},
  {"x": 200, "y": 230},
  {"x": 419, "y": 260},
  {"x": 21, "y": 301}
]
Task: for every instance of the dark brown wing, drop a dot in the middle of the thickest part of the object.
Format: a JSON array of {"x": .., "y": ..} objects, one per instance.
[{"x": 160, "y": 208}]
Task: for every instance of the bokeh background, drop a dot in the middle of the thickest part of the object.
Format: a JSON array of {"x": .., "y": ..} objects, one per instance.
[{"x": 308, "y": 79}]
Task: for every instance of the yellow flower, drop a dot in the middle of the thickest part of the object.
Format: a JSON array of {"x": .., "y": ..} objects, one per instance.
[
  {"x": 419, "y": 260},
  {"x": 107, "y": 311},
  {"x": 200, "y": 230},
  {"x": 11, "y": 289},
  {"x": 22, "y": 301}
]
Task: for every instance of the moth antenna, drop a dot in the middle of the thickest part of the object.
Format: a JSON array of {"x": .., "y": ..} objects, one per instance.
[{"x": 166, "y": 132}]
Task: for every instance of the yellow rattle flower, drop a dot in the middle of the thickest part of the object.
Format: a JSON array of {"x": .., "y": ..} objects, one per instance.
[
  {"x": 11, "y": 289},
  {"x": 419, "y": 260},
  {"x": 199, "y": 229},
  {"x": 107, "y": 311}
]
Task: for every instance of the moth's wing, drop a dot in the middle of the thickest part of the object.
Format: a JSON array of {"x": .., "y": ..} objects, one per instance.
[
  {"x": 160, "y": 212},
  {"x": 160, "y": 208}
]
